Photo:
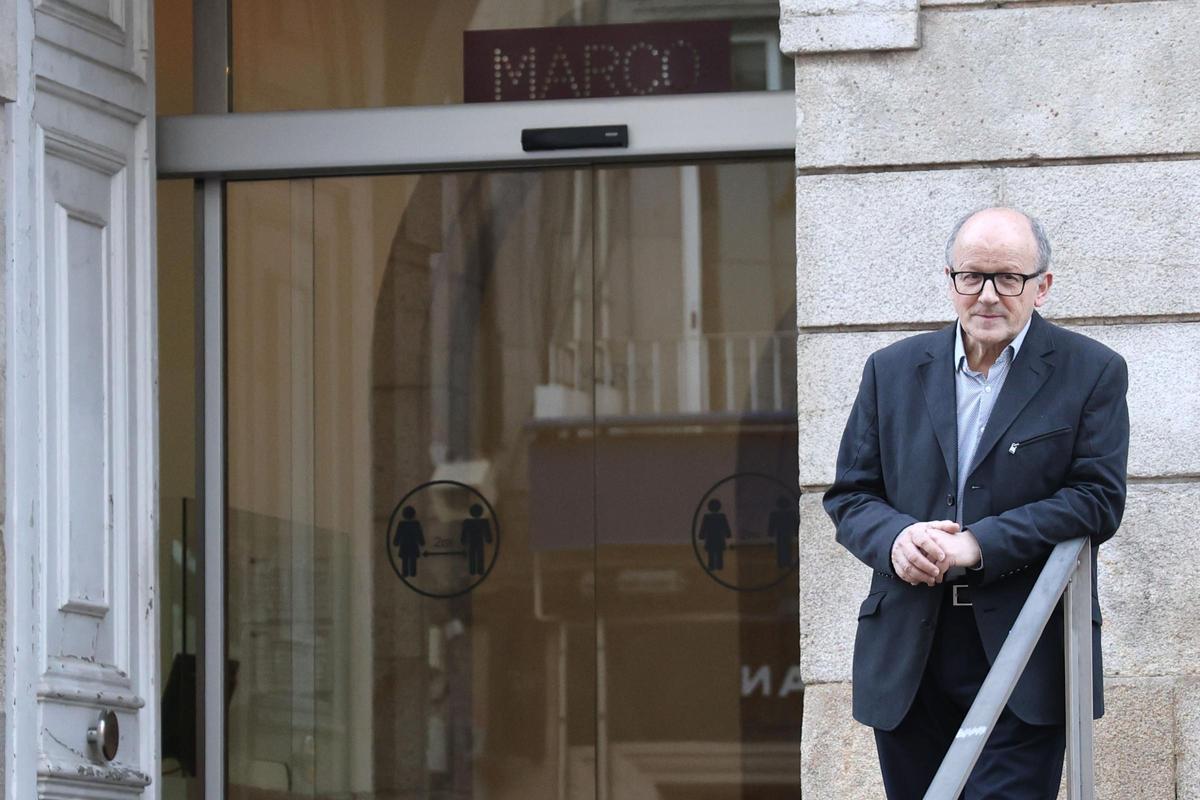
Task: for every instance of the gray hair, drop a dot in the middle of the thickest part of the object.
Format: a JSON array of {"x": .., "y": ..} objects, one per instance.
[{"x": 1039, "y": 236}]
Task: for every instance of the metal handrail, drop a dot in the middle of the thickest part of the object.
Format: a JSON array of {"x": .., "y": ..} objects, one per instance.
[{"x": 1069, "y": 568}]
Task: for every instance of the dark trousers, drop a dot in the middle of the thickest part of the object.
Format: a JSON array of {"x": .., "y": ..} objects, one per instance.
[{"x": 1019, "y": 762}]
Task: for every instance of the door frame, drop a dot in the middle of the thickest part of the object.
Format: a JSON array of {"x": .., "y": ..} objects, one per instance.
[
  {"x": 218, "y": 147},
  {"x": 475, "y": 136}
]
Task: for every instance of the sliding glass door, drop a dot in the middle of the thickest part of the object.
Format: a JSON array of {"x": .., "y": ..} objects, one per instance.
[{"x": 511, "y": 493}]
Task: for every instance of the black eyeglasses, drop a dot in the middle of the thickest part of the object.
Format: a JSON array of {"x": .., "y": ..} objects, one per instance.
[{"x": 1006, "y": 284}]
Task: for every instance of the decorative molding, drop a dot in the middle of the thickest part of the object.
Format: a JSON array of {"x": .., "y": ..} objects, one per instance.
[
  {"x": 84, "y": 152},
  {"x": 73, "y": 777},
  {"x": 79, "y": 605},
  {"x": 109, "y": 25},
  {"x": 89, "y": 81},
  {"x": 108, "y": 32},
  {"x": 50, "y": 788},
  {"x": 80, "y": 592},
  {"x": 73, "y": 694},
  {"x": 89, "y": 674},
  {"x": 84, "y": 588},
  {"x": 8, "y": 51},
  {"x": 81, "y": 446}
]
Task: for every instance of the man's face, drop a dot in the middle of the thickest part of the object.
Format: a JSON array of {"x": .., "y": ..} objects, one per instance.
[{"x": 997, "y": 240}]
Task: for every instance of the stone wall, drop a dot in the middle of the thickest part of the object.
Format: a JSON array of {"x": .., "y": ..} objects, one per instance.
[{"x": 1087, "y": 116}]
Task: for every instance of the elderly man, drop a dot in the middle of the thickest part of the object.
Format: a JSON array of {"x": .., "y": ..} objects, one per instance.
[{"x": 970, "y": 453}]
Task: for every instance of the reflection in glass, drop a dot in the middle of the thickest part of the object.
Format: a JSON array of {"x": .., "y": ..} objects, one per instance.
[
  {"x": 178, "y": 589},
  {"x": 696, "y": 366},
  {"x": 388, "y": 340},
  {"x": 471, "y": 418},
  {"x": 311, "y": 54}
]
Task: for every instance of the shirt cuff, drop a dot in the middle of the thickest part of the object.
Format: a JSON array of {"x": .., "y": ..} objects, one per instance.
[{"x": 978, "y": 567}]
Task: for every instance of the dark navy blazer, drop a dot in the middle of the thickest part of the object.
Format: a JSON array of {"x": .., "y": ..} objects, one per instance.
[{"x": 1050, "y": 467}]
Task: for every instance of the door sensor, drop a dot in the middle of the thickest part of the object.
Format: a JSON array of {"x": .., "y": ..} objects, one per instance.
[{"x": 574, "y": 138}]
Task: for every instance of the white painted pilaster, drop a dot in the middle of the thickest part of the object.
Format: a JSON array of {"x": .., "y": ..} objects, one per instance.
[
  {"x": 81, "y": 399},
  {"x": 8, "y": 50}
]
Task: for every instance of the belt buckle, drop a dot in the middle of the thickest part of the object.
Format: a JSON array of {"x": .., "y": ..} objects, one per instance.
[{"x": 954, "y": 599}]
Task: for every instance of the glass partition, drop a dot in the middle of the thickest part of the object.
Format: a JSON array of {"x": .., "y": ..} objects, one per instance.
[
  {"x": 477, "y": 424},
  {"x": 178, "y": 587},
  {"x": 387, "y": 351},
  {"x": 313, "y": 54},
  {"x": 696, "y": 482},
  {"x": 179, "y": 591}
]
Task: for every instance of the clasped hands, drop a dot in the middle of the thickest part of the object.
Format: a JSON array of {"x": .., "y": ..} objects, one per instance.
[{"x": 925, "y": 550}]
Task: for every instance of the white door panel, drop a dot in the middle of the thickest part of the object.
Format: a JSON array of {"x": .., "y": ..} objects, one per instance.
[
  {"x": 81, "y": 411},
  {"x": 111, "y": 32}
]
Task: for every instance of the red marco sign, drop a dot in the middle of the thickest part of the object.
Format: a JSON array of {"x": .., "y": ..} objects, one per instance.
[{"x": 596, "y": 61}]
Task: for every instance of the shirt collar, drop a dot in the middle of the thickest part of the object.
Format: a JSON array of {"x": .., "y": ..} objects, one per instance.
[{"x": 1014, "y": 346}]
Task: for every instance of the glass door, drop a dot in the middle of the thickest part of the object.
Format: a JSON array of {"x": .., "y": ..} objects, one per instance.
[
  {"x": 388, "y": 344},
  {"x": 511, "y": 484},
  {"x": 698, "y": 684}
]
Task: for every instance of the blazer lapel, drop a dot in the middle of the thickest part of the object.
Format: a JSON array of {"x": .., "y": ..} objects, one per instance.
[
  {"x": 937, "y": 381},
  {"x": 1029, "y": 371}
]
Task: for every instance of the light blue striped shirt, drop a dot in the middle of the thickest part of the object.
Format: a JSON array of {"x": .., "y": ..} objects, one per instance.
[{"x": 976, "y": 396}]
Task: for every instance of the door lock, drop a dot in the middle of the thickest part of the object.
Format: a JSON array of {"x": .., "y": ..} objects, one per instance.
[{"x": 104, "y": 736}]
